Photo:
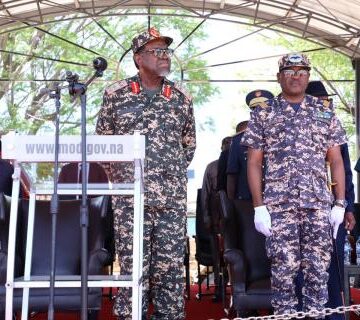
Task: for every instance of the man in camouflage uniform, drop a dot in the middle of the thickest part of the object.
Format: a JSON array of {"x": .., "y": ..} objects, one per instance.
[
  {"x": 163, "y": 112},
  {"x": 295, "y": 133}
]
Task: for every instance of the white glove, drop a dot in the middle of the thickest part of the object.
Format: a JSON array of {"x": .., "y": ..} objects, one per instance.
[
  {"x": 336, "y": 218},
  {"x": 262, "y": 220}
]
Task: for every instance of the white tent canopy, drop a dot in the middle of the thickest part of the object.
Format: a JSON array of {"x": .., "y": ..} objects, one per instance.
[{"x": 334, "y": 24}]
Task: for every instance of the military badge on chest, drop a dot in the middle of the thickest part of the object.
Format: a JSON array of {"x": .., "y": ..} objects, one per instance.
[{"x": 323, "y": 116}]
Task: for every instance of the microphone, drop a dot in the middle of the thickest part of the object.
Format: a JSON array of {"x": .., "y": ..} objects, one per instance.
[
  {"x": 71, "y": 77},
  {"x": 100, "y": 64},
  {"x": 75, "y": 88}
]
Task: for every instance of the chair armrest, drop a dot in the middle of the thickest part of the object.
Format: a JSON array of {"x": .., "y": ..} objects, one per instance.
[
  {"x": 97, "y": 260},
  {"x": 237, "y": 269}
]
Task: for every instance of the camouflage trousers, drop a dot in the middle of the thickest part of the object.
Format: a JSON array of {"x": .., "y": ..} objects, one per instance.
[
  {"x": 163, "y": 259},
  {"x": 300, "y": 239}
]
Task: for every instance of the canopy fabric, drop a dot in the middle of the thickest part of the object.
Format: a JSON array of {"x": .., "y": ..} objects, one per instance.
[{"x": 334, "y": 24}]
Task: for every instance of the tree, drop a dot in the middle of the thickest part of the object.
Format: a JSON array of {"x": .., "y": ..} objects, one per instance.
[{"x": 46, "y": 52}]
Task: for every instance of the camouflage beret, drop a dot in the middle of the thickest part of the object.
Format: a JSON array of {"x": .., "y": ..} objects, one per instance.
[
  {"x": 143, "y": 38},
  {"x": 294, "y": 60},
  {"x": 258, "y": 96}
]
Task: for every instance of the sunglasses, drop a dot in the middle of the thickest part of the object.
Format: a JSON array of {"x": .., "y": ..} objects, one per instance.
[
  {"x": 292, "y": 73},
  {"x": 160, "y": 53}
]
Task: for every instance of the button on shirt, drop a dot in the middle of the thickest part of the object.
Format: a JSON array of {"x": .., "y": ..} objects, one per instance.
[{"x": 295, "y": 146}]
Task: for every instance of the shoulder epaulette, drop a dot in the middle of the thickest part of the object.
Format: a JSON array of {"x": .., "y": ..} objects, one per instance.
[
  {"x": 116, "y": 86},
  {"x": 328, "y": 104},
  {"x": 182, "y": 90}
]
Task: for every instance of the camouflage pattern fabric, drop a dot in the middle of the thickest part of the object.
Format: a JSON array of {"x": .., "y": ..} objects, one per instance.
[
  {"x": 300, "y": 238},
  {"x": 167, "y": 121},
  {"x": 164, "y": 245},
  {"x": 294, "y": 60},
  {"x": 145, "y": 37},
  {"x": 295, "y": 146},
  {"x": 296, "y": 194}
]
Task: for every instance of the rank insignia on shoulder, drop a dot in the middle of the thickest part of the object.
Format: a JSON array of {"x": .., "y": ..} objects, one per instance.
[
  {"x": 166, "y": 91},
  {"x": 135, "y": 87},
  {"x": 182, "y": 90},
  {"x": 328, "y": 104},
  {"x": 116, "y": 86}
]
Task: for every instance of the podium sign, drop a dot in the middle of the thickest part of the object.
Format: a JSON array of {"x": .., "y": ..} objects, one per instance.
[{"x": 30, "y": 148}]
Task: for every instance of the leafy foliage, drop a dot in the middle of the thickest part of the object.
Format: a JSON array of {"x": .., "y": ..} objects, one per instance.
[{"x": 33, "y": 58}]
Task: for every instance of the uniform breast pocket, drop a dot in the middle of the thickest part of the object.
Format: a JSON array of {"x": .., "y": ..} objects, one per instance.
[
  {"x": 275, "y": 135},
  {"x": 126, "y": 120}
]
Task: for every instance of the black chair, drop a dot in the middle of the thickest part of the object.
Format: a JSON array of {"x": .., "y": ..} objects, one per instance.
[
  {"x": 71, "y": 173},
  {"x": 68, "y": 253},
  {"x": 203, "y": 254},
  {"x": 245, "y": 256}
]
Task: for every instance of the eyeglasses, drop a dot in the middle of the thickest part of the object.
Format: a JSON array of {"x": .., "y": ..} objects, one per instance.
[
  {"x": 292, "y": 73},
  {"x": 160, "y": 53}
]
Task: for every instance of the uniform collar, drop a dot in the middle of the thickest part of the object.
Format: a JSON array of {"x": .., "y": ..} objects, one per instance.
[
  {"x": 136, "y": 87},
  {"x": 286, "y": 106}
]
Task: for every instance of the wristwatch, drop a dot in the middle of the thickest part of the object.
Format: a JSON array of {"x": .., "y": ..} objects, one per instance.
[{"x": 341, "y": 203}]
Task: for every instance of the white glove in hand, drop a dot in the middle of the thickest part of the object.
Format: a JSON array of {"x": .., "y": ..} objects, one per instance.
[
  {"x": 336, "y": 218},
  {"x": 262, "y": 220}
]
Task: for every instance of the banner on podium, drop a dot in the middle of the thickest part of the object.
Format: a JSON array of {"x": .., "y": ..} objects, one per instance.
[{"x": 99, "y": 148}]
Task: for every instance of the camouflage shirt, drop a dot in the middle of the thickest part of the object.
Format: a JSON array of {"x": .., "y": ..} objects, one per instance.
[
  {"x": 295, "y": 145},
  {"x": 167, "y": 121}
]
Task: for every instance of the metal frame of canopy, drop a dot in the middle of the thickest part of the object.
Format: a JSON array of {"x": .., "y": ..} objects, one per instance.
[{"x": 330, "y": 25}]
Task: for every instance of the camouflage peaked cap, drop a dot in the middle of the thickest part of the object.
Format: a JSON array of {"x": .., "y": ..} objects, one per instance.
[
  {"x": 294, "y": 60},
  {"x": 143, "y": 38}
]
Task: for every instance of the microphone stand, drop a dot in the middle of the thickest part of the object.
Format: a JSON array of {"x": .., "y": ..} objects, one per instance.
[
  {"x": 79, "y": 89},
  {"x": 54, "y": 204}
]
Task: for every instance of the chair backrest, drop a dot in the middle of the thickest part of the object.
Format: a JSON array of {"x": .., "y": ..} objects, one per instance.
[
  {"x": 240, "y": 233},
  {"x": 229, "y": 221},
  {"x": 68, "y": 234},
  {"x": 71, "y": 173},
  {"x": 252, "y": 243},
  {"x": 203, "y": 247},
  {"x": 201, "y": 231}
]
